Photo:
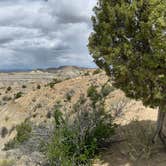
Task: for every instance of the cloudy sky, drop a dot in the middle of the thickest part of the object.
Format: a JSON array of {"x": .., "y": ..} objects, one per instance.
[{"x": 40, "y": 33}]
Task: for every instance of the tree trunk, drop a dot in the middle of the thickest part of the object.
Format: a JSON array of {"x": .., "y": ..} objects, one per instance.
[{"x": 161, "y": 125}]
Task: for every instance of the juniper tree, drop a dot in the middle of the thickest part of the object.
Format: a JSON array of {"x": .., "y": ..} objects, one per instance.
[{"x": 129, "y": 43}]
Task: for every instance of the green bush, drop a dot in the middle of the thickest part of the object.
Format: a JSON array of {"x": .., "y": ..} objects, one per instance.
[
  {"x": 18, "y": 95},
  {"x": 4, "y": 132},
  {"x": 78, "y": 138},
  {"x": 53, "y": 82},
  {"x": 9, "y": 88},
  {"x": 23, "y": 134},
  {"x": 6, "y": 98},
  {"x": 92, "y": 93},
  {"x": 38, "y": 86},
  {"x": 97, "y": 71},
  {"x": 106, "y": 90},
  {"x": 69, "y": 95},
  {"x": 24, "y": 86},
  {"x": 6, "y": 162},
  {"x": 86, "y": 73}
]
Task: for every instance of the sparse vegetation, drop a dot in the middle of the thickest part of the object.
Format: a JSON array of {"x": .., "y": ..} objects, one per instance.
[
  {"x": 18, "y": 95},
  {"x": 82, "y": 128},
  {"x": 38, "y": 86},
  {"x": 6, "y": 98},
  {"x": 6, "y": 162},
  {"x": 6, "y": 118},
  {"x": 23, "y": 134},
  {"x": 106, "y": 90},
  {"x": 4, "y": 132},
  {"x": 49, "y": 115},
  {"x": 86, "y": 73},
  {"x": 54, "y": 81},
  {"x": 97, "y": 71},
  {"x": 9, "y": 88},
  {"x": 76, "y": 140},
  {"x": 38, "y": 105},
  {"x": 69, "y": 95},
  {"x": 93, "y": 94},
  {"x": 24, "y": 86}
]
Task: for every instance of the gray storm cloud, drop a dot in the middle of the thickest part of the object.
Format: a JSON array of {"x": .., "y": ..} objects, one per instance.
[{"x": 42, "y": 33}]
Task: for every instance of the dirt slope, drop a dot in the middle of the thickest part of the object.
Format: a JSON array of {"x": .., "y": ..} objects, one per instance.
[{"x": 36, "y": 105}]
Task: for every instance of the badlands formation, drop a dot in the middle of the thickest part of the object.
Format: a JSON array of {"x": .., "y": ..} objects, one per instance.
[{"x": 32, "y": 96}]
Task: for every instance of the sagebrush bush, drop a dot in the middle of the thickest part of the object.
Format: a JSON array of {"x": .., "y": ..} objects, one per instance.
[
  {"x": 6, "y": 98},
  {"x": 24, "y": 86},
  {"x": 106, "y": 90},
  {"x": 38, "y": 86},
  {"x": 93, "y": 94},
  {"x": 9, "y": 88},
  {"x": 69, "y": 95},
  {"x": 53, "y": 82},
  {"x": 78, "y": 137},
  {"x": 86, "y": 73},
  {"x": 97, "y": 71},
  {"x": 4, "y": 132}
]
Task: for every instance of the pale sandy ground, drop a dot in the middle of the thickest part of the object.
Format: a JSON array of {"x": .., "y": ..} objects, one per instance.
[{"x": 28, "y": 106}]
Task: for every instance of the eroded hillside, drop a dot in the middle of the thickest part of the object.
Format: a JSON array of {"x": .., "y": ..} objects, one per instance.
[{"x": 36, "y": 104}]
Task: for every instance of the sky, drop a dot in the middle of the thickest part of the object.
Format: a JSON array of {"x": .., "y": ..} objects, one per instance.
[{"x": 45, "y": 33}]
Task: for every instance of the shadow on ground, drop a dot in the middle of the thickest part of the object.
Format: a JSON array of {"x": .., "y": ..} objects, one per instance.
[{"x": 136, "y": 148}]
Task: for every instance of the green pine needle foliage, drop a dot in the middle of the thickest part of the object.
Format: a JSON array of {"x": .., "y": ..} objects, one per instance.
[{"x": 129, "y": 42}]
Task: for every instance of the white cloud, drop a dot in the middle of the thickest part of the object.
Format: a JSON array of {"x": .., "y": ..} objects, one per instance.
[{"x": 42, "y": 34}]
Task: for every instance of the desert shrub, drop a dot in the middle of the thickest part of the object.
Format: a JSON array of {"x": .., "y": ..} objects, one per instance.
[
  {"x": 53, "y": 82},
  {"x": 6, "y": 118},
  {"x": 6, "y": 162},
  {"x": 6, "y": 98},
  {"x": 117, "y": 108},
  {"x": 48, "y": 115},
  {"x": 93, "y": 94},
  {"x": 69, "y": 95},
  {"x": 38, "y": 86},
  {"x": 9, "y": 88},
  {"x": 24, "y": 86},
  {"x": 86, "y": 73},
  {"x": 106, "y": 90},
  {"x": 37, "y": 106},
  {"x": 23, "y": 134},
  {"x": 18, "y": 95},
  {"x": 4, "y": 132},
  {"x": 33, "y": 99},
  {"x": 78, "y": 137},
  {"x": 97, "y": 71},
  {"x": 10, "y": 145}
]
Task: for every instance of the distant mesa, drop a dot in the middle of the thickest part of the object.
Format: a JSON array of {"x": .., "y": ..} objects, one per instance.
[
  {"x": 64, "y": 68},
  {"x": 49, "y": 70}
]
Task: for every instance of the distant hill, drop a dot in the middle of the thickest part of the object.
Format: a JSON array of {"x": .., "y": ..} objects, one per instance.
[
  {"x": 49, "y": 70},
  {"x": 14, "y": 70},
  {"x": 64, "y": 68}
]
